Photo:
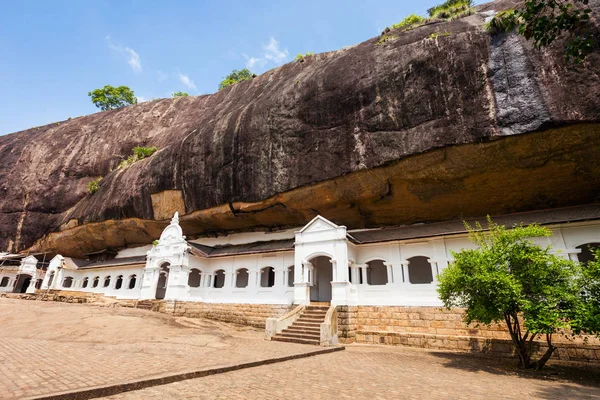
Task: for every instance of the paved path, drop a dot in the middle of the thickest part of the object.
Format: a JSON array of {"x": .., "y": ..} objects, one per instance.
[
  {"x": 373, "y": 373},
  {"x": 48, "y": 347}
]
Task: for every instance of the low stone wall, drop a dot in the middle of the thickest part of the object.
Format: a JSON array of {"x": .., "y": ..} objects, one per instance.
[
  {"x": 244, "y": 314},
  {"x": 437, "y": 328},
  {"x": 347, "y": 323}
]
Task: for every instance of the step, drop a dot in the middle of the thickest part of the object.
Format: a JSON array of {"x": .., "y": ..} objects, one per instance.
[
  {"x": 306, "y": 325},
  {"x": 314, "y": 313},
  {"x": 299, "y": 341},
  {"x": 299, "y": 336},
  {"x": 303, "y": 331},
  {"x": 309, "y": 319}
]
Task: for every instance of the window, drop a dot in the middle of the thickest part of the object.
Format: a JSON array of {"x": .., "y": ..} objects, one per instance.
[
  {"x": 84, "y": 283},
  {"x": 376, "y": 273},
  {"x": 290, "y": 281},
  {"x": 587, "y": 252},
  {"x": 67, "y": 282},
  {"x": 419, "y": 270},
  {"x": 132, "y": 280},
  {"x": 38, "y": 283},
  {"x": 119, "y": 282},
  {"x": 194, "y": 278},
  {"x": 219, "y": 279},
  {"x": 96, "y": 281},
  {"x": 107, "y": 281},
  {"x": 267, "y": 277},
  {"x": 241, "y": 278},
  {"x": 4, "y": 282},
  {"x": 51, "y": 279}
]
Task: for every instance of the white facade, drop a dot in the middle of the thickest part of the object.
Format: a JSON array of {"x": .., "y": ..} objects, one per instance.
[{"x": 323, "y": 265}]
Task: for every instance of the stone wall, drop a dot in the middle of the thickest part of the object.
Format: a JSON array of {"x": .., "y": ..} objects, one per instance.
[
  {"x": 244, "y": 314},
  {"x": 436, "y": 328},
  {"x": 347, "y": 323}
]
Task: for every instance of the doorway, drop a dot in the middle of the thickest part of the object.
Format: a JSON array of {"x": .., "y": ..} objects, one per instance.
[
  {"x": 23, "y": 281},
  {"x": 322, "y": 275},
  {"x": 163, "y": 281}
]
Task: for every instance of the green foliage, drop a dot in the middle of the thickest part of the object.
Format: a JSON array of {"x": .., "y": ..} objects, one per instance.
[
  {"x": 545, "y": 21},
  {"x": 155, "y": 242},
  {"x": 409, "y": 22},
  {"x": 437, "y": 34},
  {"x": 94, "y": 185},
  {"x": 180, "y": 94},
  {"x": 508, "y": 278},
  {"x": 385, "y": 38},
  {"x": 587, "y": 316},
  {"x": 504, "y": 21},
  {"x": 139, "y": 153},
  {"x": 234, "y": 77},
  {"x": 300, "y": 57},
  {"x": 451, "y": 9},
  {"x": 110, "y": 97}
]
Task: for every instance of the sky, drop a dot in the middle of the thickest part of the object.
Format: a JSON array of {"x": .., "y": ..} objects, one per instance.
[{"x": 52, "y": 53}]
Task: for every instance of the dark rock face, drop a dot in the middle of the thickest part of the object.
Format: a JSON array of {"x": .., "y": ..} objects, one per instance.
[{"x": 258, "y": 155}]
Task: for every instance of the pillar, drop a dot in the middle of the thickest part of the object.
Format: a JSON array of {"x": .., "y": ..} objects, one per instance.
[{"x": 390, "y": 273}]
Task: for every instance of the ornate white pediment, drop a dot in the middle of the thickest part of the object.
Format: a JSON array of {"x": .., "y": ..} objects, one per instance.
[
  {"x": 318, "y": 224},
  {"x": 172, "y": 233}
]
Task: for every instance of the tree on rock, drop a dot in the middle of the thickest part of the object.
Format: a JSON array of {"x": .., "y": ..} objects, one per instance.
[
  {"x": 236, "y": 76},
  {"x": 110, "y": 97},
  {"x": 180, "y": 94},
  {"x": 534, "y": 292}
]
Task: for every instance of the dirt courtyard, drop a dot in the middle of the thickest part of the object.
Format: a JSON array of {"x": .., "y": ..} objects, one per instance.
[{"x": 48, "y": 348}]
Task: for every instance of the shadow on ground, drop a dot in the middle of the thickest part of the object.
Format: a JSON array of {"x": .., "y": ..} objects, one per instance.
[{"x": 579, "y": 373}]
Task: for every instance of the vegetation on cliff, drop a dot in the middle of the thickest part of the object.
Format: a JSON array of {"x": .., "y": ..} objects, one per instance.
[
  {"x": 236, "y": 76},
  {"x": 110, "y": 97}
]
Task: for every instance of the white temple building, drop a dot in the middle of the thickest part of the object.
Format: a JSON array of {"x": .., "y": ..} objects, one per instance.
[{"x": 321, "y": 262}]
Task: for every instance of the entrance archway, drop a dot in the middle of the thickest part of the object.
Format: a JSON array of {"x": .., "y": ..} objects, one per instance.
[
  {"x": 163, "y": 281},
  {"x": 321, "y": 277},
  {"x": 23, "y": 281}
]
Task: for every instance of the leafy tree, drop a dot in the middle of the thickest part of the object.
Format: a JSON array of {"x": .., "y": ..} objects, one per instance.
[
  {"x": 544, "y": 21},
  {"x": 300, "y": 57},
  {"x": 236, "y": 76},
  {"x": 110, "y": 97},
  {"x": 508, "y": 278},
  {"x": 180, "y": 94}
]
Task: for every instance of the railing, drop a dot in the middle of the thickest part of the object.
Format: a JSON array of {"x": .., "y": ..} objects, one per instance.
[
  {"x": 329, "y": 335},
  {"x": 276, "y": 325}
]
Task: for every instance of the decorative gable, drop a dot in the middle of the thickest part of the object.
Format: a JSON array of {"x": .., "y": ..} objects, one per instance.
[{"x": 318, "y": 224}]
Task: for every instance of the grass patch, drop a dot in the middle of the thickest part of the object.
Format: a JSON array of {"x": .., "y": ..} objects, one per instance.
[
  {"x": 300, "y": 57},
  {"x": 410, "y": 22},
  {"x": 94, "y": 185},
  {"x": 451, "y": 9},
  {"x": 385, "y": 38},
  {"x": 139, "y": 153},
  {"x": 504, "y": 21},
  {"x": 437, "y": 34}
]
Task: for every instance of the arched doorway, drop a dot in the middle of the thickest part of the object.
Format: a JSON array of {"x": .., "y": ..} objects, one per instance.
[
  {"x": 23, "y": 281},
  {"x": 320, "y": 279},
  {"x": 163, "y": 281}
]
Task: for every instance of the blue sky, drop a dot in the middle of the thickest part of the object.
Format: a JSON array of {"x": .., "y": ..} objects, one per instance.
[{"x": 55, "y": 52}]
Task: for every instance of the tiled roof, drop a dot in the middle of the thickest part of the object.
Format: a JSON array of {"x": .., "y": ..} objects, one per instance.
[
  {"x": 115, "y": 262},
  {"x": 542, "y": 217},
  {"x": 246, "y": 248}
]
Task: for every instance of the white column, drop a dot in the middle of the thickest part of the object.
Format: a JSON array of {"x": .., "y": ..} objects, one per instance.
[
  {"x": 390, "y": 273},
  {"x": 363, "y": 272},
  {"x": 434, "y": 271},
  {"x": 406, "y": 279}
]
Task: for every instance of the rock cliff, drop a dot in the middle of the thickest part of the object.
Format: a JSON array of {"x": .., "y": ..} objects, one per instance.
[{"x": 422, "y": 127}]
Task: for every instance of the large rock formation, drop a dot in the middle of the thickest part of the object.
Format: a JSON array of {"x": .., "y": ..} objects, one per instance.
[{"x": 418, "y": 128}]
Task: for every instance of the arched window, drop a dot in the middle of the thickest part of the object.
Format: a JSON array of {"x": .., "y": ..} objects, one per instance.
[
  {"x": 107, "y": 281},
  {"x": 119, "y": 282},
  {"x": 587, "y": 252},
  {"x": 290, "y": 277},
  {"x": 419, "y": 270},
  {"x": 51, "y": 279},
  {"x": 67, "y": 282},
  {"x": 267, "y": 277},
  {"x": 376, "y": 273},
  {"x": 84, "y": 283},
  {"x": 132, "y": 280},
  {"x": 219, "y": 279},
  {"x": 241, "y": 278},
  {"x": 4, "y": 282},
  {"x": 96, "y": 282},
  {"x": 194, "y": 278}
]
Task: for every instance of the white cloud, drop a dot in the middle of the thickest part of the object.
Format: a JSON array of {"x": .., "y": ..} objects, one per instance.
[
  {"x": 162, "y": 76},
  {"x": 133, "y": 58},
  {"x": 272, "y": 52},
  {"x": 141, "y": 99},
  {"x": 187, "y": 81}
]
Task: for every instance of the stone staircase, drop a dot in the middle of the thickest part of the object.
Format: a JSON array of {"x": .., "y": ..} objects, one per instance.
[
  {"x": 307, "y": 328},
  {"x": 144, "y": 305}
]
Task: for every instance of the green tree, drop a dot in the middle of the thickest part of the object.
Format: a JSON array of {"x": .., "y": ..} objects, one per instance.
[
  {"x": 545, "y": 21},
  {"x": 508, "y": 278},
  {"x": 236, "y": 76},
  {"x": 180, "y": 94},
  {"x": 110, "y": 97}
]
